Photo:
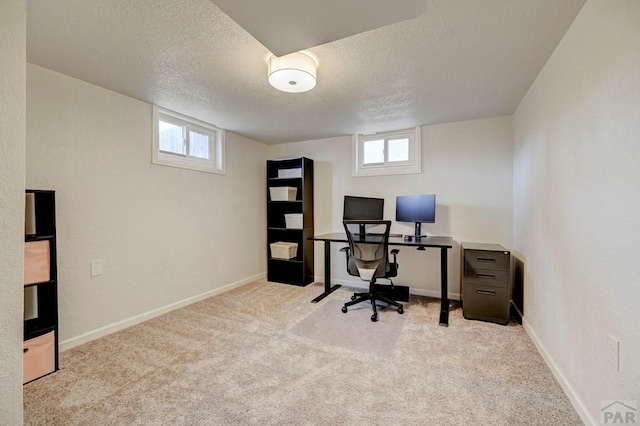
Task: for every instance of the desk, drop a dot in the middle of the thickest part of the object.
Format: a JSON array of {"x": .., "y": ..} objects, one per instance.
[{"x": 443, "y": 243}]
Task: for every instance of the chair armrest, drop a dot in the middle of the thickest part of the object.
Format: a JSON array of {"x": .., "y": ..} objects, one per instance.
[
  {"x": 347, "y": 253},
  {"x": 394, "y": 252}
]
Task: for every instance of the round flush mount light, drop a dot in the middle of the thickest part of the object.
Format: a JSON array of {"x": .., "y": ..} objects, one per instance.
[{"x": 293, "y": 73}]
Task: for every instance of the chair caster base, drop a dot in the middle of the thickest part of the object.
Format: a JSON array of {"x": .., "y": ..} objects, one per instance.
[
  {"x": 374, "y": 317},
  {"x": 344, "y": 309},
  {"x": 401, "y": 310}
]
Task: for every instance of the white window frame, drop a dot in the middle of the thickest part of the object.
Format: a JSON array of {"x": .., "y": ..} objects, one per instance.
[
  {"x": 413, "y": 165},
  {"x": 215, "y": 164}
]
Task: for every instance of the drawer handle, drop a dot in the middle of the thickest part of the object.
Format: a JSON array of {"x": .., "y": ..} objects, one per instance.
[
  {"x": 486, "y": 292},
  {"x": 25, "y": 350},
  {"x": 486, "y": 260},
  {"x": 486, "y": 276}
]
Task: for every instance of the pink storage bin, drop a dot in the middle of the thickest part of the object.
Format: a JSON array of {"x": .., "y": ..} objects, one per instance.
[
  {"x": 39, "y": 357},
  {"x": 37, "y": 265}
]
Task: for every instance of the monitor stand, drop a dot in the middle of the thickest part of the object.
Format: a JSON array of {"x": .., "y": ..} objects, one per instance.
[{"x": 418, "y": 231}]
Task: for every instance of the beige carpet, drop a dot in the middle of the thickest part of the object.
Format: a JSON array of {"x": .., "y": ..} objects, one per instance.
[
  {"x": 252, "y": 357},
  {"x": 354, "y": 330}
]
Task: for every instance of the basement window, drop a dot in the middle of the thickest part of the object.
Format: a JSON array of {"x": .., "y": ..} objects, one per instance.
[
  {"x": 187, "y": 143},
  {"x": 391, "y": 153}
]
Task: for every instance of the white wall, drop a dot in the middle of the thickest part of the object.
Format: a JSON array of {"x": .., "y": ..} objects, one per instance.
[
  {"x": 165, "y": 234},
  {"x": 13, "y": 32},
  {"x": 576, "y": 204},
  {"x": 467, "y": 164}
]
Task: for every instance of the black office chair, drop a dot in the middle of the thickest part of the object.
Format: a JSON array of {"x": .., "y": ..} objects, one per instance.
[{"x": 368, "y": 258}]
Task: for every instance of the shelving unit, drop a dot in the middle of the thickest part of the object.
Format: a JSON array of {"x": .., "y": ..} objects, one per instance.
[
  {"x": 299, "y": 175},
  {"x": 40, "y": 351}
]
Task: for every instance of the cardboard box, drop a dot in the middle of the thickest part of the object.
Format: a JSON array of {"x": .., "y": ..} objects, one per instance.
[
  {"x": 293, "y": 220},
  {"x": 283, "y": 250},
  {"x": 283, "y": 193}
]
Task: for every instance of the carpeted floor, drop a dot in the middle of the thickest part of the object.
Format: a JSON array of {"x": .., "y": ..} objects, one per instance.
[
  {"x": 356, "y": 333},
  {"x": 263, "y": 354}
]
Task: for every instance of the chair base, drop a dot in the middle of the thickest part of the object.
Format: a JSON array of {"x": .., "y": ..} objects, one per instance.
[{"x": 373, "y": 296}]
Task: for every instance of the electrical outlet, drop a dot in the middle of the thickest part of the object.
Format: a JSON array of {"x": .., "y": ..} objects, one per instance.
[
  {"x": 613, "y": 352},
  {"x": 97, "y": 267}
]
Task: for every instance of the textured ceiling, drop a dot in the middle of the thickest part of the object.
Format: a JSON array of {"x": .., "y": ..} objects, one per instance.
[
  {"x": 287, "y": 26},
  {"x": 462, "y": 59}
]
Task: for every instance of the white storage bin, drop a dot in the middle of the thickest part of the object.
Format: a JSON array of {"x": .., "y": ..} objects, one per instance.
[
  {"x": 283, "y": 250},
  {"x": 30, "y": 214},
  {"x": 30, "y": 303},
  {"x": 293, "y": 220},
  {"x": 283, "y": 193},
  {"x": 290, "y": 173}
]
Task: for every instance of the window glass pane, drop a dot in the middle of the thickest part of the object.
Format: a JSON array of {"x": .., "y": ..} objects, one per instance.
[
  {"x": 399, "y": 149},
  {"x": 198, "y": 145},
  {"x": 181, "y": 141},
  {"x": 373, "y": 151},
  {"x": 171, "y": 139}
]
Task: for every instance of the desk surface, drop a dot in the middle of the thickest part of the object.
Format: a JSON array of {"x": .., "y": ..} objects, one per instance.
[
  {"x": 443, "y": 243},
  {"x": 430, "y": 241}
]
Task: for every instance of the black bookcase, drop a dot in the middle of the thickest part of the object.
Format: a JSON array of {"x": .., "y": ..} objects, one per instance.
[
  {"x": 40, "y": 349},
  {"x": 290, "y": 173}
]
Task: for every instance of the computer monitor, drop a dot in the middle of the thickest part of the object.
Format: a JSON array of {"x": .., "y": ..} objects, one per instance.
[
  {"x": 416, "y": 208},
  {"x": 362, "y": 208}
]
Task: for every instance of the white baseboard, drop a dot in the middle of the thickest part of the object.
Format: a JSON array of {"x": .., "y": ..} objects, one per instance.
[
  {"x": 433, "y": 293},
  {"x": 120, "y": 325},
  {"x": 575, "y": 399},
  {"x": 412, "y": 290}
]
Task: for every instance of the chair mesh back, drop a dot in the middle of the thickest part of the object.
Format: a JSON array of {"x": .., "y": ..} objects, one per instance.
[{"x": 368, "y": 251}]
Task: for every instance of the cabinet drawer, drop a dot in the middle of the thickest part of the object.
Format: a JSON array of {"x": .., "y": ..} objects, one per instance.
[
  {"x": 486, "y": 303},
  {"x": 39, "y": 357},
  {"x": 484, "y": 259},
  {"x": 486, "y": 277}
]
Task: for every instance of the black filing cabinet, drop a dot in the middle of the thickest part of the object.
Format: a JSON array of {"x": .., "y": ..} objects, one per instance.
[{"x": 486, "y": 281}]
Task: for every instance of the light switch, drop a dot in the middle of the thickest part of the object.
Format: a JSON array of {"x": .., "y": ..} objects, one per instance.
[{"x": 97, "y": 267}]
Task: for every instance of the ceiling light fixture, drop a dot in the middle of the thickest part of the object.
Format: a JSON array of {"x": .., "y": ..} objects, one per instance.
[{"x": 293, "y": 73}]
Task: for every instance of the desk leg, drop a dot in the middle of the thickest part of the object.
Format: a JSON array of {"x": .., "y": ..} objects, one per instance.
[
  {"x": 444, "y": 291},
  {"x": 327, "y": 274}
]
